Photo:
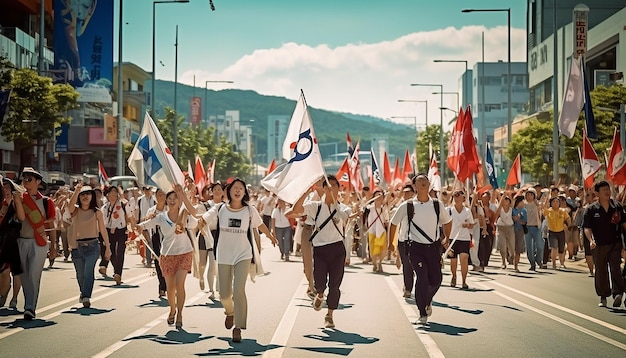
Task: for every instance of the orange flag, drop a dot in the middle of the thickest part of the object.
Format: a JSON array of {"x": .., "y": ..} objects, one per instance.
[
  {"x": 343, "y": 174},
  {"x": 515, "y": 175},
  {"x": 271, "y": 167},
  {"x": 407, "y": 168},
  {"x": 386, "y": 169}
]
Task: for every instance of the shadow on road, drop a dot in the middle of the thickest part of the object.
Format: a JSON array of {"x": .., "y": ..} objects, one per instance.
[
  {"x": 447, "y": 329},
  {"x": 22, "y": 323},
  {"x": 457, "y": 308},
  {"x": 179, "y": 336},
  {"x": 209, "y": 304},
  {"x": 340, "y": 351},
  {"x": 161, "y": 302},
  {"x": 88, "y": 311},
  {"x": 9, "y": 312},
  {"x": 335, "y": 335},
  {"x": 120, "y": 286},
  {"x": 246, "y": 348}
]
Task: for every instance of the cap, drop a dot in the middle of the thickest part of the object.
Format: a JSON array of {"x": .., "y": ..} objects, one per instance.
[
  {"x": 33, "y": 172},
  {"x": 86, "y": 188},
  {"x": 573, "y": 187},
  {"x": 532, "y": 190}
]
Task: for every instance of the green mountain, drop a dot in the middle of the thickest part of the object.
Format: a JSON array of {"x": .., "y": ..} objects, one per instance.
[{"x": 330, "y": 127}]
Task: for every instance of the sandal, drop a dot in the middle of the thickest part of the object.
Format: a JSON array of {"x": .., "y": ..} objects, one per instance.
[{"x": 170, "y": 318}]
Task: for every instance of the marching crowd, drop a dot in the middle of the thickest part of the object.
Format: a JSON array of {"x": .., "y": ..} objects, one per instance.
[{"x": 214, "y": 233}]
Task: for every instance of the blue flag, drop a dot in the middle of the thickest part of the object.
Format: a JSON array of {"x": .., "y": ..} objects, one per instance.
[
  {"x": 590, "y": 122},
  {"x": 491, "y": 172},
  {"x": 375, "y": 170}
]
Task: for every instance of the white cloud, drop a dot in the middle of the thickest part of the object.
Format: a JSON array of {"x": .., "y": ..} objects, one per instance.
[{"x": 369, "y": 78}]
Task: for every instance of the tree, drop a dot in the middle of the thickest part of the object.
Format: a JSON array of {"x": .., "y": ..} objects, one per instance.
[
  {"x": 534, "y": 142},
  {"x": 430, "y": 135},
  {"x": 37, "y": 106}
]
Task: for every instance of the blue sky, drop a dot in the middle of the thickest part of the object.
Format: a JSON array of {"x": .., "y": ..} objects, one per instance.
[{"x": 355, "y": 56}]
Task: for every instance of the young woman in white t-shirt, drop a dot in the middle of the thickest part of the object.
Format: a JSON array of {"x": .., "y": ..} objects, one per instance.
[
  {"x": 462, "y": 224},
  {"x": 282, "y": 229},
  {"x": 234, "y": 251},
  {"x": 176, "y": 249}
]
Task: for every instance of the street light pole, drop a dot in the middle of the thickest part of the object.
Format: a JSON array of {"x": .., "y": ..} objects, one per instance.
[
  {"x": 152, "y": 96},
  {"x": 120, "y": 98},
  {"x": 465, "y": 85},
  {"x": 418, "y": 101},
  {"x": 457, "y": 97},
  {"x": 441, "y": 148},
  {"x": 206, "y": 101},
  {"x": 175, "y": 124},
  {"x": 508, "y": 78}
]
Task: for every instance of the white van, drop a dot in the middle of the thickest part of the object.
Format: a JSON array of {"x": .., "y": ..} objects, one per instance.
[{"x": 126, "y": 181}]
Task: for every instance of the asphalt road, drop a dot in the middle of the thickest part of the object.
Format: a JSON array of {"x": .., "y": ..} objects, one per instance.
[{"x": 504, "y": 314}]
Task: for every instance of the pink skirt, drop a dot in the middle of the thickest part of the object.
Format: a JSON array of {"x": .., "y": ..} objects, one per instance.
[{"x": 171, "y": 264}]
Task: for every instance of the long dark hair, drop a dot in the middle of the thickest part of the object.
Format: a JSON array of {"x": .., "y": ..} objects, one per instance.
[
  {"x": 246, "y": 195},
  {"x": 93, "y": 204}
]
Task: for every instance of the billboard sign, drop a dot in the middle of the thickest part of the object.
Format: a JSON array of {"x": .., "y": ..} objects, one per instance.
[
  {"x": 62, "y": 138},
  {"x": 196, "y": 110},
  {"x": 83, "y": 42},
  {"x": 581, "y": 13}
]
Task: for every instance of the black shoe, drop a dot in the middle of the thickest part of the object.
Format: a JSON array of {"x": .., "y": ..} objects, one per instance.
[{"x": 29, "y": 315}]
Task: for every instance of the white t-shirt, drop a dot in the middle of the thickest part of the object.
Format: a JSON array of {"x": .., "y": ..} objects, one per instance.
[
  {"x": 424, "y": 216},
  {"x": 329, "y": 234},
  {"x": 233, "y": 245},
  {"x": 280, "y": 220},
  {"x": 458, "y": 219},
  {"x": 505, "y": 218},
  {"x": 114, "y": 217},
  {"x": 143, "y": 204},
  {"x": 268, "y": 204},
  {"x": 172, "y": 243},
  {"x": 376, "y": 220}
]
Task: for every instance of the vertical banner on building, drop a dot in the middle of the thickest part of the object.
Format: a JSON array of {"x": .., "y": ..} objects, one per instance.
[
  {"x": 581, "y": 13},
  {"x": 62, "y": 138},
  {"x": 83, "y": 45},
  {"x": 196, "y": 110},
  {"x": 110, "y": 127}
]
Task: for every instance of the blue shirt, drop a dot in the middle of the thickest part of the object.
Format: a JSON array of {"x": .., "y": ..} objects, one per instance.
[{"x": 523, "y": 217}]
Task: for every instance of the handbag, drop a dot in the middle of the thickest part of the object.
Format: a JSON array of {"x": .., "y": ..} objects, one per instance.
[{"x": 525, "y": 228}]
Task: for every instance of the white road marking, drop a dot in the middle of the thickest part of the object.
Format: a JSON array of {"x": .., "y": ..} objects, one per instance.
[
  {"x": 285, "y": 326},
  {"x": 15, "y": 330},
  {"x": 147, "y": 327},
  {"x": 564, "y": 309},
  {"x": 429, "y": 344},
  {"x": 560, "y": 320}
]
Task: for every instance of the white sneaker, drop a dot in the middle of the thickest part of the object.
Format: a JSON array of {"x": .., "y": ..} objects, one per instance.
[
  {"x": 429, "y": 311},
  {"x": 602, "y": 302},
  {"x": 422, "y": 320}
]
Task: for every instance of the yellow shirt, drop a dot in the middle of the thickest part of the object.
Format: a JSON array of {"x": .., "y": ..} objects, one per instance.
[{"x": 556, "y": 219}]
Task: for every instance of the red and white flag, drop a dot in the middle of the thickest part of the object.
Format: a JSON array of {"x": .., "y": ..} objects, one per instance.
[
  {"x": 590, "y": 162},
  {"x": 210, "y": 173},
  {"x": 515, "y": 174},
  {"x": 103, "y": 178},
  {"x": 433, "y": 174},
  {"x": 190, "y": 170},
  {"x": 355, "y": 168},
  {"x": 397, "y": 176},
  {"x": 469, "y": 155},
  {"x": 199, "y": 174},
  {"x": 290, "y": 180},
  {"x": 616, "y": 167}
]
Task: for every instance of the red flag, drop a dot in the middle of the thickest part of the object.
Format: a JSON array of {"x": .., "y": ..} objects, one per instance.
[
  {"x": 454, "y": 146},
  {"x": 271, "y": 167},
  {"x": 407, "y": 168},
  {"x": 343, "y": 174},
  {"x": 469, "y": 157},
  {"x": 386, "y": 169},
  {"x": 349, "y": 146},
  {"x": 372, "y": 183},
  {"x": 515, "y": 174},
  {"x": 616, "y": 167},
  {"x": 199, "y": 174},
  {"x": 590, "y": 162},
  {"x": 397, "y": 175}
]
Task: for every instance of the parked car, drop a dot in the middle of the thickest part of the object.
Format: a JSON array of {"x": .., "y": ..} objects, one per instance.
[{"x": 126, "y": 181}]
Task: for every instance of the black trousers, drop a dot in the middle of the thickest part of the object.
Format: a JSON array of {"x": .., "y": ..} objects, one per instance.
[
  {"x": 426, "y": 262},
  {"x": 328, "y": 266},
  {"x": 485, "y": 247},
  {"x": 103, "y": 262},
  {"x": 407, "y": 268},
  {"x": 607, "y": 260},
  {"x": 156, "y": 246},
  {"x": 118, "y": 249}
]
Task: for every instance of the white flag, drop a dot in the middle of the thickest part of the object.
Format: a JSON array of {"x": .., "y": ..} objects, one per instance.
[
  {"x": 433, "y": 174},
  {"x": 151, "y": 160},
  {"x": 289, "y": 181},
  {"x": 573, "y": 101}
]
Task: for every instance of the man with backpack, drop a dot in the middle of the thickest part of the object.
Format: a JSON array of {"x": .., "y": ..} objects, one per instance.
[{"x": 422, "y": 217}]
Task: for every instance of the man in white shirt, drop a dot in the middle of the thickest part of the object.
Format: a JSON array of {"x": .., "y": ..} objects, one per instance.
[
  {"x": 424, "y": 241},
  {"x": 330, "y": 250},
  {"x": 144, "y": 203}
]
